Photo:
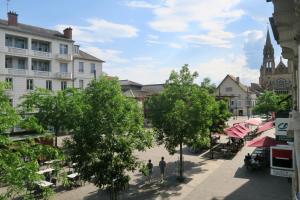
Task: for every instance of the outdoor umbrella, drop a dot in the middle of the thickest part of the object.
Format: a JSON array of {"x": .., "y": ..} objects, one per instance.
[
  {"x": 254, "y": 121},
  {"x": 264, "y": 142},
  {"x": 265, "y": 127}
]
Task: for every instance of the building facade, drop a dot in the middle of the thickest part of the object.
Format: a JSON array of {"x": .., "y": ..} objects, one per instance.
[
  {"x": 274, "y": 78},
  {"x": 285, "y": 23},
  {"x": 241, "y": 97},
  {"x": 33, "y": 57}
]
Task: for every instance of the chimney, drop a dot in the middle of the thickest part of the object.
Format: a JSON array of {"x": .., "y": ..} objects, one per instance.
[
  {"x": 68, "y": 33},
  {"x": 12, "y": 18},
  {"x": 238, "y": 79}
]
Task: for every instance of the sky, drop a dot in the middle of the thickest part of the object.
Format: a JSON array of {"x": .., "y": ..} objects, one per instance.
[{"x": 144, "y": 41}]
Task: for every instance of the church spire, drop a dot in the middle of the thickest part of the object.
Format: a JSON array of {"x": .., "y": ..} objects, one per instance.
[{"x": 268, "y": 40}]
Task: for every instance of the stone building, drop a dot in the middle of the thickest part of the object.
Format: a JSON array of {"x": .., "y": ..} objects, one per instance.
[{"x": 274, "y": 78}]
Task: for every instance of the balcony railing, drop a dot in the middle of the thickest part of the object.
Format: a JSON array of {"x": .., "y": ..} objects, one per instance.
[
  {"x": 41, "y": 54},
  {"x": 16, "y": 50},
  {"x": 41, "y": 73},
  {"x": 64, "y": 57},
  {"x": 16, "y": 71},
  {"x": 63, "y": 75}
]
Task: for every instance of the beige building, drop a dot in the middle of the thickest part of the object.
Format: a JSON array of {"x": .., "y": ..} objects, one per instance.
[
  {"x": 274, "y": 78},
  {"x": 33, "y": 57},
  {"x": 241, "y": 97}
]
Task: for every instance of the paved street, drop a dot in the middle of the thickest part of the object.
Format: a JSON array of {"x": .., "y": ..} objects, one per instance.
[{"x": 206, "y": 180}]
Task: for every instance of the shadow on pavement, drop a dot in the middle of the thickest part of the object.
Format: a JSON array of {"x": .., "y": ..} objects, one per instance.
[
  {"x": 142, "y": 189},
  {"x": 260, "y": 186}
]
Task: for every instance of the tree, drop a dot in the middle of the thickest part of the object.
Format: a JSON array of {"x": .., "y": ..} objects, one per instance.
[
  {"x": 181, "y": 113},
  {"x": 110, "y": 131},
  {"x": 61, "y": 110},
  {"x": 220, "y": 116},
  {"x": 269, "y": 102},
  {"x": 206, "y": 84},
  {"x": 19, "y": 160},
  {"x": 8, "y": 115}
]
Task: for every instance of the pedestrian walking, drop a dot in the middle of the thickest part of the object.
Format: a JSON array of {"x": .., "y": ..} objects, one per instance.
[
  {"x": 162, "y": 167},
  {"x": 150, "y": 170}
]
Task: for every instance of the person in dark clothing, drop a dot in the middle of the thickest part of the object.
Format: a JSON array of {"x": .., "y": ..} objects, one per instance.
[
  {"x": 162, "y": 167},
  {"x": 150, "y": 170}
]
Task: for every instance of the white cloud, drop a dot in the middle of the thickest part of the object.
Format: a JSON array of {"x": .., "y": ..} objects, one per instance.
[
  {"x": 175, "y": 45},
  {"x": 140, "y": 4},
  {"x": 100, "y": 30},
  {"x": 110, "y": 56},
  {"x": 216, "y": 69},
  {"x": 177, "y": 15},
  {"x": 236, "y": 65},
  {"x": 253, "y": 35},
  {"x": 216, "y": 38}
]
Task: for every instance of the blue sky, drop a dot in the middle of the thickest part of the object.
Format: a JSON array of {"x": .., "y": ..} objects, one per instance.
[{"x": 144, "y": 40}]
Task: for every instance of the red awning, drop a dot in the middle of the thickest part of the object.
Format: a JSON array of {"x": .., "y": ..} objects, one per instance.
[
  {"x": 265, "y": 127},
  {"x": 264, "y": 142},
  {"x": 236, "y": 133},
  {"x": 242, "y": 128},
  {"x": 254, "y": 121},
  {"x": 282, "y": 153}
]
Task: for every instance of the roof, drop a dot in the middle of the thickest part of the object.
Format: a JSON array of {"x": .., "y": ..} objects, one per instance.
[
  {"x": 34, "y": 30},
  {"x": 136, "y": 93},
  {"x": 128, "y": 82},
  {"x": 242, "y": 86},
  {"x": 85, "y": 56}
]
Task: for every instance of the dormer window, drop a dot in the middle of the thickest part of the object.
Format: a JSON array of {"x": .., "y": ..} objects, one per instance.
[{"x": 76, "y": 49}]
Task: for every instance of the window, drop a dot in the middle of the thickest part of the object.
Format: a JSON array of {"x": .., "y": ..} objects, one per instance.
[
  {"x": 63, "y": 49},
  {"x": 81, "y": 84},
  {"x": 15, "y": 41},
  {"x": 29, "y": 84},
  {"x": 40, "y": 65},
  {"x": 8, "y": 62},
  {"x": 76, "y": 49},
  {"x": 281, "y": 83},
  {"x": 93, "y": 67},
  {"x": 239, "y": 103},
  {"x": 63, "y": 67},
  {"x": 63, "y": 85},
  {"x": 37, "y": 45},
  {"x": 9, "y": 82},
  {"x": 8, "y": 41},
  {"x": 48, "y": 84},
  {"x": 81, "y": 67},
  {"x": 21, "y": 63},
  {"x": 228, "y": 89},
  {"x": 232, "y": 102},
  {"x": 20, "y": 43}
]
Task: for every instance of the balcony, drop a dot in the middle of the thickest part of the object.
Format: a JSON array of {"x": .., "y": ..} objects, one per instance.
[
  {"x": 19, "y": 51},
  {"x": 16, "y": 71},
  {"x": 41, "y": 73},
  {"x": 64, "y": 57},
  {"x": 63, "y": 75},
  {"x": 41, "y": 54}
]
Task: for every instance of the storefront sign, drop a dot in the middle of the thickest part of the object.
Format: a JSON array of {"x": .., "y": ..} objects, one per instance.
[
  {"x": 281, "y": 158},
  {"x": 281, "y": 126}
]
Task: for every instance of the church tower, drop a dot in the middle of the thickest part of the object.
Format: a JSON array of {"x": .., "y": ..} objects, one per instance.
[{"x": 268, "y": 66}]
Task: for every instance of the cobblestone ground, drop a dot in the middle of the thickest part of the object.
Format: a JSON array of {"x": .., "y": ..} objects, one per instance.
[{"x": 206, "y": 179}]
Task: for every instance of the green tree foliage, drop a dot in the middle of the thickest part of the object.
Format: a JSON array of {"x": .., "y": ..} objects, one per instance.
[
  {"x": 206, "y": 84},
  {"x": 109, "y": 132},
  {"x": 270, "y": 102},
  {"x": 61, "y": 110},
  {"x": 19, "y": 160},
  {"x": 181, "y": 113},
  {"x": 220, "y": 116},
  {"x": 19, "y": 167},
  {"x": 8, "y": 115}
]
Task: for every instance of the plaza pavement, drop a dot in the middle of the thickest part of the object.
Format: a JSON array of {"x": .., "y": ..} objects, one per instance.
[{"x": 206, "y": 179}]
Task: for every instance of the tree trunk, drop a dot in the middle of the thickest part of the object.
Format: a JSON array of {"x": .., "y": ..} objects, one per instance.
[
  {"x": 181, "y": 164},
  {"x": 211, "y": 147}
]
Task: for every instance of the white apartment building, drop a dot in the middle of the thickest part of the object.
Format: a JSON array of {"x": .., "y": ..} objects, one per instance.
[
  {"x": 33, "y": 57},
  {"x": 241, "y": 98}
]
